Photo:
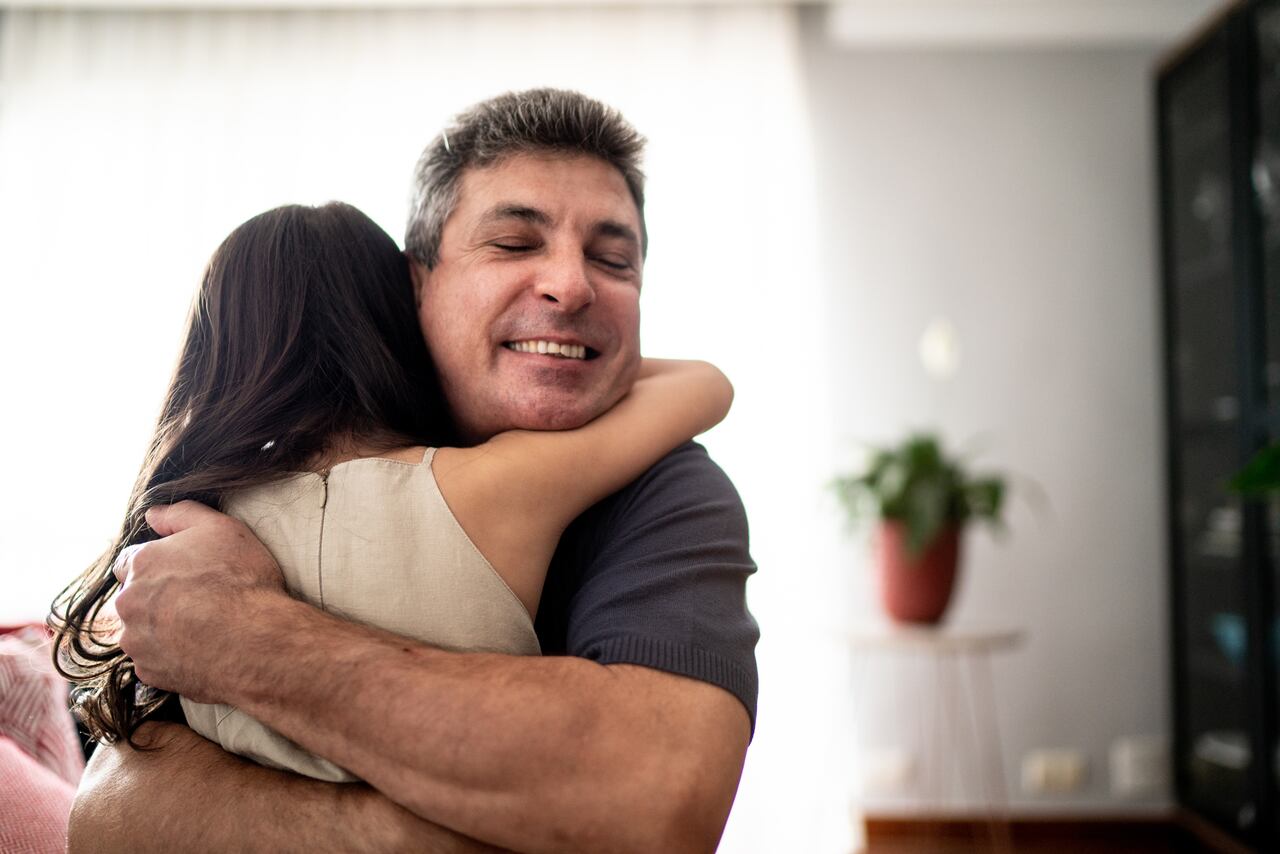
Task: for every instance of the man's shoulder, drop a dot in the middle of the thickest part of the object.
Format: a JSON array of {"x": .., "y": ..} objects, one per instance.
[
  {"x": 685, "y": 476},
  {"x": 685, "y": 497}
]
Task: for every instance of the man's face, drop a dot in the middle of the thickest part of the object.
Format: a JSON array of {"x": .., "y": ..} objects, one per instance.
[{"x": 542, "y": 252}]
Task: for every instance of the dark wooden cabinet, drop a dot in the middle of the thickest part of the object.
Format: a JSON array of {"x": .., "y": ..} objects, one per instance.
[{"x": 1218, "y": 134}]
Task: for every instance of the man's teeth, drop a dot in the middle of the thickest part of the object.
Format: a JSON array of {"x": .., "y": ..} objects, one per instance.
[{"x": 550, "y": 348}]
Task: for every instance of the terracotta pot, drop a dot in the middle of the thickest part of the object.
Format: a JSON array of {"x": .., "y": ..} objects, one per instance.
[{"x": 916, "y": 588}]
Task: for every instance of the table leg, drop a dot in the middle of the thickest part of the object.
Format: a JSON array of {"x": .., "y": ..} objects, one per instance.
[{"x": 991, "y": 753}]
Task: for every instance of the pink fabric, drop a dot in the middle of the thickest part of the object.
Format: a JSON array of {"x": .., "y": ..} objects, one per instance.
[
  {"x": 40, "y": 756},
  {"x": 34, "y": 804},
  {"x": 33, "y": 703}
]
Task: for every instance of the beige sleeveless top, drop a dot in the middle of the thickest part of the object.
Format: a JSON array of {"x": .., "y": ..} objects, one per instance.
[{"x": 373, "y": 542}]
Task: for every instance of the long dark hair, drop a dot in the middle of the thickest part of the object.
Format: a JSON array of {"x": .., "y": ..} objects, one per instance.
[{"x": 304, "y": 332}]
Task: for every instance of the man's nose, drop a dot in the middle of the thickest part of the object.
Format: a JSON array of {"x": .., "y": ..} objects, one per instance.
[{"x": 566, "y": 283}]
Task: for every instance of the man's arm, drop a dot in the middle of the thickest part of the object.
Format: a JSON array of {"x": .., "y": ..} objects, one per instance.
[
  {"x": 191, "y": 795},
  {"x": 552, "y": 754},
  {"x": 611, "y": 750},
  {"x": 583, "y": 757}
]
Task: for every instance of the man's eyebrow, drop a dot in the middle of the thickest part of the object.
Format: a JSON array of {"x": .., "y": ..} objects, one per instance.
[
  {"x": 523, "y": 213},
  {"x": 610, "y": 228}
]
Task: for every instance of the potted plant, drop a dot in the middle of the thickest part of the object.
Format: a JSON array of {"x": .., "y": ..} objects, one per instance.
[{"x": 922, "y": 500}]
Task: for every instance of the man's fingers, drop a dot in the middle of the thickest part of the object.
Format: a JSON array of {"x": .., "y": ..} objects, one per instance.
[
  {"x": 165, "y": 520},
  {"x": 169, "y": 519},
  {"x": 124, "y": 561}
]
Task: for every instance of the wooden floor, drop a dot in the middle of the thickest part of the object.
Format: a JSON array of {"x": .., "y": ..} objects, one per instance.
[
  {"x": 1036, "y": 837},
  {"x": 935, "y": 845}
]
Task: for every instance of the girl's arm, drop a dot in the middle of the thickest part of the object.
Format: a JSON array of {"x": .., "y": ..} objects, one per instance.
[{"x": 515, "y": 493}]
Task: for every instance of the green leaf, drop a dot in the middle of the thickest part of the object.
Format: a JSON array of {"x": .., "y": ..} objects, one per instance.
[
  {"x": 926, "y": 516},
  {"x": 984, "y": 498},
  {"x": 1261, "y": 475}
]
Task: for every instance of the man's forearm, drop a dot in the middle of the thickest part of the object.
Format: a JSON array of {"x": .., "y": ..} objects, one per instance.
[
  {"x": 536, "y": 754},
  {"x": 190, "y": 795}
]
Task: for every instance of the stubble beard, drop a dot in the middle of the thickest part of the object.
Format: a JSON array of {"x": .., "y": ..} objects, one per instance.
[{"x": 548, "y": 406}]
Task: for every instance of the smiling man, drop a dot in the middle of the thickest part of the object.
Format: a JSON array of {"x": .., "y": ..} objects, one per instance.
[{"x": 629, "y": 733}]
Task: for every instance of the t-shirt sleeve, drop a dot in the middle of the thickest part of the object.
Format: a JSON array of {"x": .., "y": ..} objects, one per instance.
[{"x": 656, "y": 575}]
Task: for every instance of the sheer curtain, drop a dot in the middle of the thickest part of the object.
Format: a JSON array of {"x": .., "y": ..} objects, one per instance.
[{"x": 131, "y": 143}]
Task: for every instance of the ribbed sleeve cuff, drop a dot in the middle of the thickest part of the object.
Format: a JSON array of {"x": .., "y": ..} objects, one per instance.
[{"x": 683, "y": 660}]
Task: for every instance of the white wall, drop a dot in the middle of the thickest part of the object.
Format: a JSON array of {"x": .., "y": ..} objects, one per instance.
[
  {"x": 130, "y": 143},
  {"x": 1012, "y": 192}
]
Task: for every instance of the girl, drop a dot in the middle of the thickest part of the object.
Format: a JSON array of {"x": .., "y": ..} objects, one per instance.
[{"x": 305, "y": 404}]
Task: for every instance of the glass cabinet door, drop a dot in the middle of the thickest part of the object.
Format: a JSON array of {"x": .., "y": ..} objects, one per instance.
[
  {"x": 1216, "y": 755},
  {"x": 1266, "y": 187}
]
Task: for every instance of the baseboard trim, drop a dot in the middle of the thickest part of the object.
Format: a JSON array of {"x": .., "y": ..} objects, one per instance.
[
  {"x": 1024, "y": 826},
  {"x": 1139, "y": 829}
]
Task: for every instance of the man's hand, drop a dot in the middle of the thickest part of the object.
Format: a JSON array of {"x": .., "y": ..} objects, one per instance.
[{"x": 184, "y": 595}]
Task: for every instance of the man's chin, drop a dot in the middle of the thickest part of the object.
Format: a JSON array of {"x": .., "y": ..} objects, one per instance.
[
  {"x": 491, "y": 423},
  {"x": 559, "y": 419}
]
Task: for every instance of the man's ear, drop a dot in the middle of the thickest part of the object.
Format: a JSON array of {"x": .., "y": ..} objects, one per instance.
[{"x": 419, "y": 272}]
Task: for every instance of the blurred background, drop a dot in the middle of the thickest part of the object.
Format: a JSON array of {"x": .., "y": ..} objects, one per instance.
[{"x": 877, "y": 216}]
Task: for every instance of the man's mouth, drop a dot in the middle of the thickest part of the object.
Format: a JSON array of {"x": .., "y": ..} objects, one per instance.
[{"x": 552, "y": 348}]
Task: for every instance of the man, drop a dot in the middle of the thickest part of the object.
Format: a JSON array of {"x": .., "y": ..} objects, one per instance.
[{"x": 630, "y": 732}]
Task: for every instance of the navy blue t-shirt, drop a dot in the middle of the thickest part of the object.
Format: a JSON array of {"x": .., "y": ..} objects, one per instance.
[{"x": 656, "y": 575}]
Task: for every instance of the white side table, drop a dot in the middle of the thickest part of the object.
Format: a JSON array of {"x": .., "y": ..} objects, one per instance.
[{"x": 960, "y": 657}]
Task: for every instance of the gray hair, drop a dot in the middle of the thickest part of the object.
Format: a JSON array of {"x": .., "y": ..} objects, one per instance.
[{"x": 536, "y": 120}]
